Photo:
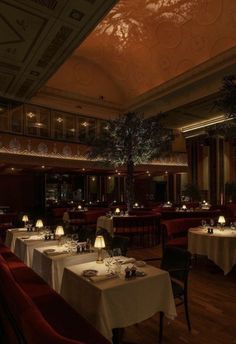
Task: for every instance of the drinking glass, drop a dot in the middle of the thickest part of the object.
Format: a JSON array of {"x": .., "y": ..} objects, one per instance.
[
  {"x": 108, "y": 263},
  {"x": 203, "y": 223},
  {"x": 212, "y": 222}
]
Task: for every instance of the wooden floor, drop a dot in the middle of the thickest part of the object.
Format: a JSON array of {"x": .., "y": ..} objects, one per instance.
[{"x": 212, "y": 306}]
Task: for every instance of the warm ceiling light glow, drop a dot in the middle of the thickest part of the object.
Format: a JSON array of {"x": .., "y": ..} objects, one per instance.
[
  {"x": 59, "y": 119},
  {"x": 206, "y": 123},
  {"x": 30, "y": 114},
  {"x": 84, "y": 124},
  {"x": 39, "y": 124}
]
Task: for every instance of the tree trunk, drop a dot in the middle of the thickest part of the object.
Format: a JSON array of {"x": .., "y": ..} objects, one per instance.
[{"x": 130, "y": 185}]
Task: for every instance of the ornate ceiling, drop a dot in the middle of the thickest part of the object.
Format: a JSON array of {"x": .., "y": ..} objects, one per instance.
[
  {"x": 36, "y": 36},
  {"x": 143, "y": 45}
]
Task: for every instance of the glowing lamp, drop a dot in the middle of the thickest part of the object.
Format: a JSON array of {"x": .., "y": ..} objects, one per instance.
[{"x": 99, "y": 244}]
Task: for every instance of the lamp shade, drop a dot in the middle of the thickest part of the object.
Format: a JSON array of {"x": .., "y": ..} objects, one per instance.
[
  {"x": 25, "y": 218},
  {"x": 59, "y": 231},
  {"x": 79, "y": 207},
  {"x": 221, "y": 220},
  {"x": 99, "y": 242},
  {"x": 39, "y": 224},
  {"x": 117, "y": 211},
  {"x": 184, "y": 207}
]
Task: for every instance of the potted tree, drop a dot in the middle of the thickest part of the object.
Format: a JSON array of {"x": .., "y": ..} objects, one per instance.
[{"x": 129, "y": 140}]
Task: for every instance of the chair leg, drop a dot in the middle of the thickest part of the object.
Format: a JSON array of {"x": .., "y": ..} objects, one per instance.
[
  {"x": 161, "y": 327},
  {"x": 186, "y": 311}
]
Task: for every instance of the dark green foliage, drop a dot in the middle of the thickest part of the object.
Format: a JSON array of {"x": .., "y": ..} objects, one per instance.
[
  {"x": 192, "y": 191},
  {"x": 227, "y": 98},
  {"x": 129, "y": 140}
]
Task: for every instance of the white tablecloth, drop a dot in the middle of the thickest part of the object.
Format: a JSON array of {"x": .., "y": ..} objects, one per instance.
[
  {"x": 24, "y": 248},
  {"x": 117, "y": 303},
  {"x": 105, "y": 223},
  {"x": 12, "y": 234},
  {"x": 220, "y": 247},
  {"x": 51, "y": 267}
]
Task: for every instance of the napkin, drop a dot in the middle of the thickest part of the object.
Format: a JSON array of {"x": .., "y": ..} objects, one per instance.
[{"x": 101, "y": 278}]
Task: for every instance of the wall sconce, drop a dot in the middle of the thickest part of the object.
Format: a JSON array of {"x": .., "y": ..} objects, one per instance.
[{"x": 99, "y": 244}]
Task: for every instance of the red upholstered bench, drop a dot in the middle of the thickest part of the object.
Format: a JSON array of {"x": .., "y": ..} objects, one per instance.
[
  {"x": 49, "y": 308},
  {"x": 175, "y": 231}
]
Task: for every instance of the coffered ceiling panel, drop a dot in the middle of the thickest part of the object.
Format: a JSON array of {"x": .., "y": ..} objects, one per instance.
[{"x": 36, "y": 36}]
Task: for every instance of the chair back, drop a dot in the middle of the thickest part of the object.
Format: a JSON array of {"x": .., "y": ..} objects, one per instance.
[
  {"x": 121, "y": 243},
  {"x": 177, "y": 262}
]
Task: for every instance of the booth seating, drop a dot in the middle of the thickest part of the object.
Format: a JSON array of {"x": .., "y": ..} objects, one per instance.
[
  {"x": 32, "y": 312},
  {"x": 142, "y": 230},
  {"x": 175, "y": 231}
]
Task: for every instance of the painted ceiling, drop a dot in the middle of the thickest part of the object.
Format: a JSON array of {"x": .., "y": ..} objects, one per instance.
[
  {"x": 36, "y": 36},
  {"x": 143, "y": 44}
]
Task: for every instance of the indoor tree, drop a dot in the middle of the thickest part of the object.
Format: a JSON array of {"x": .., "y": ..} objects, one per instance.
[
  {"x": 227, "y": 97},
  {"x": 129, "y": 140}
]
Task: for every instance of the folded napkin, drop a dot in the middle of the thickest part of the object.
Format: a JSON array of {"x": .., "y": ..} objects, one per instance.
[{"x": 101, "y": 278}]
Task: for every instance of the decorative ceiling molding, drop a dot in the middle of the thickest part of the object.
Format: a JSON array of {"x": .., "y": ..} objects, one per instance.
[
  {"x": 73, "y": 102},
  {"x": 37, "y": 36}
]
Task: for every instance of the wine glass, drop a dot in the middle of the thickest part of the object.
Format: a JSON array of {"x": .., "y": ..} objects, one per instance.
[
  {"x": 203, "y": 223},
  {"x": 212, "y": 222},
  {"x": 108, "y": 263}
]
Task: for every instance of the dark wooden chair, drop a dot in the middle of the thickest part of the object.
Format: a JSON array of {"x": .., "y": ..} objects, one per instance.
[{"x": 178, "y": 263}]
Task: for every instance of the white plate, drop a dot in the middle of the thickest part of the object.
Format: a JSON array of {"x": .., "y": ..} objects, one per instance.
[{"x": 140, "y": 263}]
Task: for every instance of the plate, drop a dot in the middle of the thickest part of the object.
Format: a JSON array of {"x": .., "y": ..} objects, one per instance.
[
  {"x": 140, "y": 263},
  {"x": 50, "y": 250},
  {"x": 89, "y": 273},
  {"x": 25, "y": 237}
]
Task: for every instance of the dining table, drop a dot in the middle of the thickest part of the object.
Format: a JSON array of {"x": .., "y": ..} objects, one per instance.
[
  {"x": 110, "y": 300},
  {"x": 219, "y": 246},
  {"x": 25, "y": 245},
  {"x": 13, "y": 233},
  {"x": 49, "y": 262}
]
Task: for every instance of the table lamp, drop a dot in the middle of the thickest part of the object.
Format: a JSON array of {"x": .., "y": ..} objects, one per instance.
[
  {"x": 184, "y": 207},
  {"x": 39, "y": 224},
  {"x": 221, "y": 221},
  {"x": 99, "y": 244},
  {"x": 59, "y": 232},
  {"x": 136, "y": 205},
  {"x": 25, "y": 219},
  {"x": 79, "y": 207},
  {"x": 117, "y": 211}
]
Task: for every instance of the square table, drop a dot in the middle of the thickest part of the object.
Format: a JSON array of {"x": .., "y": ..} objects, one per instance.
[
  {"x": 118, "y": 303},
  {"x": 24, "y": 247},
  {"x": 14, "y": 233},
  {"x": 50, "y": 266}
]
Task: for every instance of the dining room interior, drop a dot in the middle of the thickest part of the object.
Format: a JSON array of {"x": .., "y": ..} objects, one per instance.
[{"x": 117, "y": 171}]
